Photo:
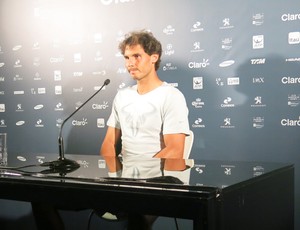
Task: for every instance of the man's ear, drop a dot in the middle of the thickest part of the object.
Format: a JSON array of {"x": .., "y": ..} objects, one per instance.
[{"x": 154, "y": 58}]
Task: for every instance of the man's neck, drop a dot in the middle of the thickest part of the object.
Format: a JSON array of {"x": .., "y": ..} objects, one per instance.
[{"x": 148, "y": 84}]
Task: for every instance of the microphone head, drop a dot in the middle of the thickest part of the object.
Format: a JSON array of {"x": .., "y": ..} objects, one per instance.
[{"x": 106, "y": 82}]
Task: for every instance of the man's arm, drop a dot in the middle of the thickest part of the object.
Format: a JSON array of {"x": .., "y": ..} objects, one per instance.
[
  {"x": 173, "y": 152},
  {"x": 109, "y": 149}
]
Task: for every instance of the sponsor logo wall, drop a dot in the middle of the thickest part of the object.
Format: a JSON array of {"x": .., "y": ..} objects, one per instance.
[{"x": 237, "y": 63}]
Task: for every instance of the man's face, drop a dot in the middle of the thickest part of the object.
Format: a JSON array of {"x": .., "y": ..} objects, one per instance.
[{"x": 138, "y": 63}]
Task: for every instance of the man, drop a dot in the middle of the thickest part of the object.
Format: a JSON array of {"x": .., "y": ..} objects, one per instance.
[{"x": 149, "y": 119}]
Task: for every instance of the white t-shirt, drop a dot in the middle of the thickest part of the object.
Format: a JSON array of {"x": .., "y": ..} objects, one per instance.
[{"x": 143, "y": 119}]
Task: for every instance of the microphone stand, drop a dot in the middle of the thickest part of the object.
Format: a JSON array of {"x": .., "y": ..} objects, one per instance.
[{"x": 63, "y": 164}]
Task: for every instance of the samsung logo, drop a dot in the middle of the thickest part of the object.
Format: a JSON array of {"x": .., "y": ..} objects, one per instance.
[
  {"x": 17, "y": 47},
  {"x": 19, "y": 92},
  {"x": 20, "y": 123},
  {"x": 21, "y": 158},
  {"x": 37, "y": 107},
  {"x": 226, "y": 63}
]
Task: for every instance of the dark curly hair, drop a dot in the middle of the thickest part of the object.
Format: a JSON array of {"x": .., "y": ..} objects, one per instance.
[{"x": 145, "y": 39}]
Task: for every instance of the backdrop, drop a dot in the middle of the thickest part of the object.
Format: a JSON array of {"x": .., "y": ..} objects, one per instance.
[{"x": 237, "y": 63}]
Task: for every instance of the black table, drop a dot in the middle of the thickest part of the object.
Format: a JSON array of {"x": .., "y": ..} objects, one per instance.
[{"x": 215, "y": 195}]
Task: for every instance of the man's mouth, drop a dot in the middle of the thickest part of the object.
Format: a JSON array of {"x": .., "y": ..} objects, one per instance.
[{"x": 132, "y": 70}]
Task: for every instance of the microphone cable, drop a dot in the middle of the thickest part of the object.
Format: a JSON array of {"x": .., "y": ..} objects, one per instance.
[{"x": 20, "y": 169}]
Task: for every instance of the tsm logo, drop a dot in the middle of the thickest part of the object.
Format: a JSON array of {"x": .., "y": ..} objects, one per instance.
[{"x": 258, "y": 61}]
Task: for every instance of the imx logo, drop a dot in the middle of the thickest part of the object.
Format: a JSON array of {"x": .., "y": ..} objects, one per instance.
[{"x": 258, "y": 80}]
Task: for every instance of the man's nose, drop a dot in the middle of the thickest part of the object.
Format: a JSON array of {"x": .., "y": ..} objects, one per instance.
[{"x": 131, "y": 62}]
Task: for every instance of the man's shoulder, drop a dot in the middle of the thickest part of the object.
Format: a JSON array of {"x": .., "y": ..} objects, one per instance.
[
  {"x": 171, "y": 88},
  {"x": 127, "y": 89}
]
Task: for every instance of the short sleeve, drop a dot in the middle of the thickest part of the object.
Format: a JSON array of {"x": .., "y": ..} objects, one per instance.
[{"x": 175, "y": 115}]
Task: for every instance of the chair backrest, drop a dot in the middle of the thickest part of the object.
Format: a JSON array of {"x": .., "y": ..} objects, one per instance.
[{"x": 189, "y": 140}]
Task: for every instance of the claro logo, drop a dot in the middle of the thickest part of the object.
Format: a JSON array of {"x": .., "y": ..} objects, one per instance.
[
  {"x": 198, "y": 65},
  {"x": 290, "y": 122},
  {"x": 290, "y": 17},
  {"x": 290, "y": 80},
  {"x": 100, "y": 106},
  {"x": 83, "y": 122},
  {"x": 109, "y": 2}
]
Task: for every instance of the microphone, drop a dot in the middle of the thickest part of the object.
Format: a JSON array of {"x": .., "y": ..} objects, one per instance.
[{"x": 63, "y": 164}]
